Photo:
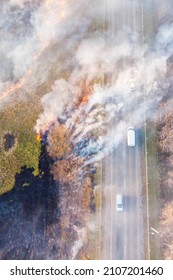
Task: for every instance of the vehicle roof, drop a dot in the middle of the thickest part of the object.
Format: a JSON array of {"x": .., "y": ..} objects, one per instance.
[
  {"x": 119, "y": 198},
  {"x": 131, "y": 127}
]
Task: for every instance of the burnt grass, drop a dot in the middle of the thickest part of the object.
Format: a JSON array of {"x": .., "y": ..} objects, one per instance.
[
  {"x": 27, "y": 212},
  {"x": 9, "y": 141}
]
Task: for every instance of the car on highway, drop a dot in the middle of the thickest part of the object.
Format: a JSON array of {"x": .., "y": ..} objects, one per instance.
[
  {"x": 119, "y": 206},
  {"x": 131, "y": 141},
  {"x": 132, "y": 85}
]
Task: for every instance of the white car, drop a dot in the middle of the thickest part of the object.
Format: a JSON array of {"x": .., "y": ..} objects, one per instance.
[
  {"x": 119, "y": 203},
  {"x": 132, "y": 85}
]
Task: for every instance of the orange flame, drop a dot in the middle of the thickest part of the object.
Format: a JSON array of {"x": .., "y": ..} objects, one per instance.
[
  {"x": 85, "y": 99},
  {"x": 13, "y": 87},
  {"x": 86, "y": 90},
  {"x": 45, "y": 44},
  {"x": 39, "y": 137},
  {"x": 16, "y": 86}
]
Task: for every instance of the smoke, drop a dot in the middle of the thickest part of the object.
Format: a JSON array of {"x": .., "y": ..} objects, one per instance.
[
  {"x": 121, "y": 63},
  {"x": 30, "y": 29},
  {"x": 79, "y": 243},
  {"x": 53, "y": 106}
]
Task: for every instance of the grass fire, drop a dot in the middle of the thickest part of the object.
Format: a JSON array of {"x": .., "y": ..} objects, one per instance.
[{"x": 72, "y": 81}]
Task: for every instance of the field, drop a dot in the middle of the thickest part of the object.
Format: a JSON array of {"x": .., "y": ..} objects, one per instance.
[{"x": 18, "y": 120}]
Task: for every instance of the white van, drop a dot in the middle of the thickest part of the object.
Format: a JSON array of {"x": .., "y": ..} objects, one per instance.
[
  {"x": 119, "y": 202},
  {"x": 131, "y": 137}
]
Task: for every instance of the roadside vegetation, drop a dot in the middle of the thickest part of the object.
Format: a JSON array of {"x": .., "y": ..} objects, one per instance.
[
  {"x": 75, "y": 192},
  {"x": 165, "y": 140},
  {"x": 159, "y": 155},
  {"x": 153, "y": 190},
  {"x": 79, "y": 184},
  {"x": 160, "y": 179}
]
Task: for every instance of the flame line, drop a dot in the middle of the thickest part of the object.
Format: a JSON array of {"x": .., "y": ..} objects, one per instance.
[{"x": 18, "y": 85}]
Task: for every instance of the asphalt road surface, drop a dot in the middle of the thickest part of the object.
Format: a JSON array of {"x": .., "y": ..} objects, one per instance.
[{"x": 123, "y": 231}]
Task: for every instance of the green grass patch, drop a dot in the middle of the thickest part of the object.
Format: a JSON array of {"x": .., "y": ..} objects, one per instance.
[
  {"x": 19, "y": 120},
  {"x": 153, "y": 190}
]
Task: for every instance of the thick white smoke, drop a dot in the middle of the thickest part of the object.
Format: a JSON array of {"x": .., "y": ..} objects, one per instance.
[
  {"x": 30, "y": 28},
  {"x": 96, "y": 57}
]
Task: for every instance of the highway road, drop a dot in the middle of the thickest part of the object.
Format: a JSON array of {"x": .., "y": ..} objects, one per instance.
[{"x": 123, "y": 231}]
